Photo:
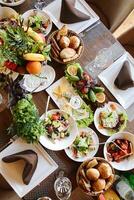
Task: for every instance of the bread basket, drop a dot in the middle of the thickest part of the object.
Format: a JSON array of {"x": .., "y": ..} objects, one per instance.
[
  {"x": 70, "y": 33},
  {"x": 83, "y": 165}
]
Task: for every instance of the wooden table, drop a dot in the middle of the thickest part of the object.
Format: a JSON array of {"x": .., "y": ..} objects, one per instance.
[{"x": 95, "y": 39}]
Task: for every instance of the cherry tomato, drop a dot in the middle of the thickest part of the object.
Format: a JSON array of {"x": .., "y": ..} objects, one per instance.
[
  {"x": 55, "y": 116},
  {"x": 10, "y": 65}
]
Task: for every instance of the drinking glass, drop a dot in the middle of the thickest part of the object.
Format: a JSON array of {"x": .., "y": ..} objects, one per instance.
[
  {"x": 62, "y": 187},
  {"x": 39, "y": 4}
]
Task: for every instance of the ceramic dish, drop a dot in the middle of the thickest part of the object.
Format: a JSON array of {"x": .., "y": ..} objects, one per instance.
[
  {"x": 41, "y": 82},
  {"x": 61, "y": 143},
  {"x": 43, "y": 16},
  {"x": 13, "y": 3},
  {"x": 124, "y": 164},
  {"x": 110, "y": 119},
  {"x": 53, "y": 9},
  {"x": 90, "y": 152}
]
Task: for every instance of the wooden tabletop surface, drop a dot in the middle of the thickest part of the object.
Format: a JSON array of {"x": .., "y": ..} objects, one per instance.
[{"x": 95, "y": 39}]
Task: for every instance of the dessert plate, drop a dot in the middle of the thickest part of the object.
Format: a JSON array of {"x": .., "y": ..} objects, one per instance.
[
  {"x": 45, "y": 166},
  {"x": 54, "y": 8},
  {"x": 108, "y": 76},
  {"x": 41, "y": 82}
]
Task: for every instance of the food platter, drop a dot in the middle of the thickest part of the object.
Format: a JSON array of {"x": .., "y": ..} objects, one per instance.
[
  {"x": 89, "y": 152},
  {"x": 62, "y": 143}
]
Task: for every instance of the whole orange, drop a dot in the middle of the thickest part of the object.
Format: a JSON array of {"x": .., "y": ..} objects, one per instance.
[{"x": 33, "y": 67}]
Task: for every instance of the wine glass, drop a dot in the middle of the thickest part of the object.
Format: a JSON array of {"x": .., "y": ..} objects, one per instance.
[
  {"x": 62, "y": 187},
  {"x": 39, "y": 4}
]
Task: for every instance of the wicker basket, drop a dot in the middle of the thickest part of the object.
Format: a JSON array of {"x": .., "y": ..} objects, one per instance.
[
  {"x": 70, "y": 33},
  {"x": 99, "y": 159}
]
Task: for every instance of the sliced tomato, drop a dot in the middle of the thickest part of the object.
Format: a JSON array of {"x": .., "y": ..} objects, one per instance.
[
  {"x": 55, "y": 117},
  {"x": 10, "y": 65}
]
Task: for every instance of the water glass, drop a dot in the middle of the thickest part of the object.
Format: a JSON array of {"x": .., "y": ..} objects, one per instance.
[{"x": 63, "y": 188}]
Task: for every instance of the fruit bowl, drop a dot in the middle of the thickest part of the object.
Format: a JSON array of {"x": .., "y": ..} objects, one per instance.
[
  {"x": 61, "y": 47},
  {"x": 101, "y": 175}
]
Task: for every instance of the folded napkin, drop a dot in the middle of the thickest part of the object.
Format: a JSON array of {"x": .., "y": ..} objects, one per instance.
[
  {"x": 124, "y": 79},
  {"x": 69, "y": 14},
  {"x": 31, "y": 159}
]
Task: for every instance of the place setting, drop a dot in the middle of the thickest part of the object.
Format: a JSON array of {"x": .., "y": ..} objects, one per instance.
[{"x": 67, "y": 131}]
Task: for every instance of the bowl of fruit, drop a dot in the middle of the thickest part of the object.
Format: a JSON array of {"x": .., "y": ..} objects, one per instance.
[
  {"x": 22, "y": 50},
  {"x": 95, "y": 176},
  {"x": 66, "y": 45}
]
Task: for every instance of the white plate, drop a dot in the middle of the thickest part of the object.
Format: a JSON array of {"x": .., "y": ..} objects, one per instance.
[
  {"x": 127, "y": 163},
  {"x": 12, "y": 4},
  {"x": 39, "y": 13},
  {"x": 6, "y": 12},
  {"x": 104, "y": 131},
  {"x": 108, "y": 76},
  {"x": 53, "y": 10},
  {"x": 63, "y": 143},
  {"x": 46, "y": 165},
  {"x": 31, "y": 82},
  {"x": 92, "y": 153}
]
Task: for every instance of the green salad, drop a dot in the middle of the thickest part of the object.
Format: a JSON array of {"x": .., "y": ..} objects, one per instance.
[
  {"x": 57, "y": 126},
  {"x": 26, "y": 122},
  {"x": 82, "y": 145}
]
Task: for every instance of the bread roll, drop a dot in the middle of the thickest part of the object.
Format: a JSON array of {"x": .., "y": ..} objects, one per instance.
[
  {"x": 98, "y": 185},
  {"x": 105, "y": 170},
  {"x": 64, "y": 42},
  {"x": 74, "y": 42},
  {"x": 92, "y": 163},
  {"x": 92, "y": 174},
  {"x": 67, "y": 53}
]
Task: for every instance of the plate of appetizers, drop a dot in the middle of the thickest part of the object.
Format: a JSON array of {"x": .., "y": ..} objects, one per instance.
[
  {"x": 85, "y": 145},
  {"x": 11, "y": 2},
  {"x": 23, "y": 157},
  {"x": 38, "y": 20},
  {"x": 119, "y": 151},
  {"x": 119, "y": 79},
  {"x": 78, "y": 15},
  {"x": 65, "y": 97},
  {"x": 95, "y": 176},
  {"x": 60, "y": 130},
  {"x": 110, "y": 119}
]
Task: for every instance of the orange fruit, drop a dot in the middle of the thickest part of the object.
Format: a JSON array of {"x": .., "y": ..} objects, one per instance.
[
  {"x": 33, "y": 67},
  {"x": 100, "y": 97}
]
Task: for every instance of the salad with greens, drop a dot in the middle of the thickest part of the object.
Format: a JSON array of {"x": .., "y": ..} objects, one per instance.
[
  {"x": 57, "y": 125},
  {"x": 82, "y": 145},
  {"x": 26, "y": 122}
]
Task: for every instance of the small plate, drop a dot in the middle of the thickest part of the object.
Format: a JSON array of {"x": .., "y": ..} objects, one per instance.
[
  {"x": 13, "y": 3},
  {"x": 47, "y": 76},
  {"x": 92, "y": 153},
  {"x": 39, "y": 13},
  {"x": 108, "y": 76},
  {"x": 46, "y": 165},
  {"x": 63, "y": 143},
  {"x": 104, "y": 131},
  {"x": 53, "y": 10},
  {"x": 127, "y": 163}
]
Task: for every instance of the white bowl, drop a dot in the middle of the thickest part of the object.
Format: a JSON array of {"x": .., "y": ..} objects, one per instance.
[
  {"x": 127, "y": 163},
  {"x": 63, "y": 143},
  {"x": 12, "y": 4},
  {"x": 6, "y": 12},
  {"x": 92, "y": 153},
  {"x": 40, "y": 13},
  {"x": 105, "y": 131}
]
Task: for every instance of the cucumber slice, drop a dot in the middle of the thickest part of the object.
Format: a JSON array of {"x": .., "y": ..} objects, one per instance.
[
  {"x": 92, "y": 96},
  {"x": 98, "y": 89}
]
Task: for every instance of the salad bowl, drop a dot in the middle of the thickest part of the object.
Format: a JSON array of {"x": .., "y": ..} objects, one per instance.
[
  {"x": 85, "y": 145},
  {"x": 39, "y": 20},
  {"x": 124, "y": 163},
  {"x": 110, "y": 119},
  {"x": 61, "y": 130}
]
